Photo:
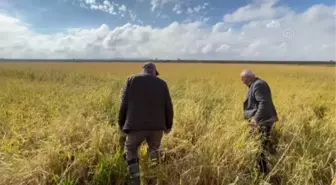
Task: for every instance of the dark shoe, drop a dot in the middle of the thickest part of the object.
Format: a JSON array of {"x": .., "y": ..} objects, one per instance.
[
  {"x": 275, "y": 180},
  {"x": 134, "y": 171},
  {"x": 134, "y": 181},
  {"x": 262, "y": 163}
]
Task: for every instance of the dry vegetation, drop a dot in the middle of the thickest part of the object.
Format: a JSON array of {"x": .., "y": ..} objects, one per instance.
[{"x": 58, "y": 124}]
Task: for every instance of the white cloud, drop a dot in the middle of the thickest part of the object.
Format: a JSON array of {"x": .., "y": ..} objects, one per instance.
[
  {"x": 273, "y": 24},
  {"x": 107, "y": 3},
  {"x": 12, "y": 26},
  {"x": 191, "y": 13},
  {"x": 260, "y": 38},
  {"x": 180, "y": 5},
  {"x": 132, "y": 15},
  {"x": 223, "y": 48},
  {"x": 122, "y": 8},
  {"x": 198, "y": 8},
  {"x": 258, "y": 9},
  {"x": 177, "y": 8},
  {"x": 110, "y": 7},
  {"x": 159, "y": 3},
  {"x": 319, "y": 13},
  {"x": 183, "y": 7},
  {"x": 90, "y": 1},
  {"x": 207, "y": 48},
  {"x": 107, "y": 6},
  {"x": 220, "y": 26},
  {"x": 162, "y": 15}
]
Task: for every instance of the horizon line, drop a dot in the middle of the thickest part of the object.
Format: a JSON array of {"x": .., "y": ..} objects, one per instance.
[{"x": 158, "y": 60}]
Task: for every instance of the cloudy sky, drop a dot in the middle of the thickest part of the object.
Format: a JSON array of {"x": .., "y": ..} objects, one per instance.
[{"x": 169, "y": 29}]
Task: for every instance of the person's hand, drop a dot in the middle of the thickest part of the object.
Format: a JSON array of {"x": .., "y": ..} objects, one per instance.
[
  {"x": 167, "y": 131},
  {"x": 254, "y": 123}
]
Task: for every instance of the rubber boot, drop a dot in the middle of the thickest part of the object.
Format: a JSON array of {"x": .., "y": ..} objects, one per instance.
[{"x": 134, "y": 171}]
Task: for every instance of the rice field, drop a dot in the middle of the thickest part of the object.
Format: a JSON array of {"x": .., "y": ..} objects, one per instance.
[{"x": 58, "y": 125}]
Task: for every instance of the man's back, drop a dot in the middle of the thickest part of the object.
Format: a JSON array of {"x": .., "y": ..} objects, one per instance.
[
  {"x": 259, "y": 101},
  {"x": 149, "y": 104},
  {"x": 146, "y": 113}
]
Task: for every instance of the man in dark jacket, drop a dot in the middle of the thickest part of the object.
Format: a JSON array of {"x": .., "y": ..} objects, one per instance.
[
  {"x": 260, "y": 111},
  {"x": 146, "y": 112}
]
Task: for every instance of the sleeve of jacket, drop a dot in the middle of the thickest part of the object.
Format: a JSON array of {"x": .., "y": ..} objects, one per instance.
[
  {"x": 169, "y": 109},
  {"x": 123, "y": 104},
  {"x": 261, "y": 96}
]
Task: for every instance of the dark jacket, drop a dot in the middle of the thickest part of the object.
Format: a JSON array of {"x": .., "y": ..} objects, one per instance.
[
  {"x": 259, "y": 104},
  {"x": 146, "y": 104}
]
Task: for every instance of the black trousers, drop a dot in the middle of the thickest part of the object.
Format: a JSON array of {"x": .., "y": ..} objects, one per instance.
[{"x": 266, "y": 147}]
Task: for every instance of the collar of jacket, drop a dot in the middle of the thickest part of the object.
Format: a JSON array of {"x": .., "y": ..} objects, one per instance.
[
  {"x": 251, "y": 83},
  {"x": 145, "y": 73}
]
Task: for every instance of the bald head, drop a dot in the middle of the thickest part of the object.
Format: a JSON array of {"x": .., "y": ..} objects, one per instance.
[
  {"x": 247, "y": 76},
  {"x": 247, "y": 73}
]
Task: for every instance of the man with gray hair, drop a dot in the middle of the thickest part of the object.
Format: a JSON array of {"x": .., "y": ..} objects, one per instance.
[
  {"x": 260, "y": 111},
  {"x": 146, "y": 112}
]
